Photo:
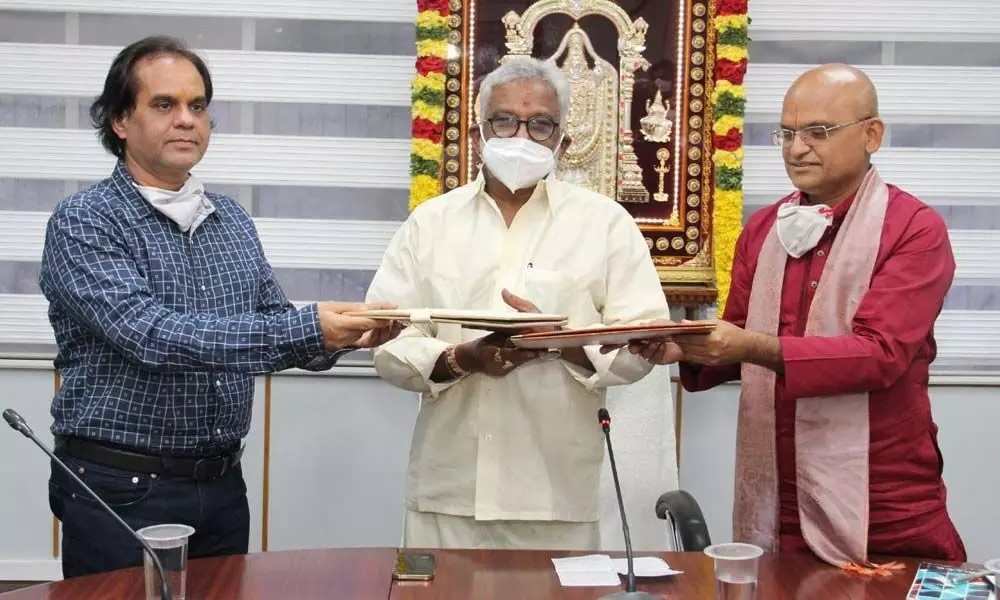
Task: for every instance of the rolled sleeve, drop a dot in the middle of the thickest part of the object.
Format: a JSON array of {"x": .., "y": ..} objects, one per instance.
[
  {"x": 408, "y": 362},
  {"x": 619, "y": 367}
]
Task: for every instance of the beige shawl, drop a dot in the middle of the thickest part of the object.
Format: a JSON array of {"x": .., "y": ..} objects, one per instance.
[{"x": 831, "y": 433}]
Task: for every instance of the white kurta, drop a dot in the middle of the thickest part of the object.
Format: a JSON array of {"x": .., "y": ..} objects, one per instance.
[{"x": 527, "y": 446}]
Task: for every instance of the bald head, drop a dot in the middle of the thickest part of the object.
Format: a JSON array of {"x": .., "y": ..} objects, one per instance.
[
  {"x": 833, "y": 110},
  {"x": 850, "y": 84}
]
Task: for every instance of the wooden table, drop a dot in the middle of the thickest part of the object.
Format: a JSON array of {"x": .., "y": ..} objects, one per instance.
[{"x": 363, "y": 574}]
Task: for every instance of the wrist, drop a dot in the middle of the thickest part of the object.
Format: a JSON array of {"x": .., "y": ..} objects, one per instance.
[{"x": 464, "y": 358}]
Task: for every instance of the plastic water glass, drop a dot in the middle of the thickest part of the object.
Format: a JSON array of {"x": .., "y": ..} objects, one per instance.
[
  {"x": 735, "y": 570},
  {"x": 994, "y": 567},
  {"x": 170, "y": 543}
]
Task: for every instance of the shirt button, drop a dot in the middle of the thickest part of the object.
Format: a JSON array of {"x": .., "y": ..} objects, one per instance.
[
  {"x": 820, "y": 253},
  {"x": 218, "y": 383},
  {"x": 203, "y": 288},
  {"x": 218, "y": 431},
  {"x": 813, "y": 284}
]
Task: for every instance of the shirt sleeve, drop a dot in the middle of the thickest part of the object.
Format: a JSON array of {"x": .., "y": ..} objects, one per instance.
[
  {"x": 893, "y": 321},
  {"x": 633, "y": 294},
  {"x": 698, "y": 378},
  {"x": 408, "y": 360},
  {"x": 88, "y": 272}
]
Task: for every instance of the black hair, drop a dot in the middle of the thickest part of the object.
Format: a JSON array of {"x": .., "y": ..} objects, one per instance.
[{"x": 120, "y": 87}]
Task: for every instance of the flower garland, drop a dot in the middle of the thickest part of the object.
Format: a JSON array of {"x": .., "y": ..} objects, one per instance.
[
  {"x": 427, "y": 95},
  {"x": 728, "y": 107}
]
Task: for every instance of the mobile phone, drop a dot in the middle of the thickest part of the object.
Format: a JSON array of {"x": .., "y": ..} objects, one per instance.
[{"x": 413, "y": 566}]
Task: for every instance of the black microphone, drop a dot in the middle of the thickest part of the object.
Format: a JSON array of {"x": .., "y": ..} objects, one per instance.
[
  {"x": 630, "y": 593},
  {"x": 17, "y": 422}
]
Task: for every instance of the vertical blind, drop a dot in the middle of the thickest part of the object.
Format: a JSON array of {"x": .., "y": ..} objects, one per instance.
[{"x": 312, "y": 129}]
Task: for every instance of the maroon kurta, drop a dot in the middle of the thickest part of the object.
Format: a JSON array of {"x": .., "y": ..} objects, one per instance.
[{"x": 888, "y": 355}]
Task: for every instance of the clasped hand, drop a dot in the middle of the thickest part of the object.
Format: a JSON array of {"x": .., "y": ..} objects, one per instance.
[
  {"x": 495, "y": 354},
  {"x": 341, "y": 331}
]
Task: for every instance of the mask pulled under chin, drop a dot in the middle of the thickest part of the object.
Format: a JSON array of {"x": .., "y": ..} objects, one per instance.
[
  {"x": 188, "y": 207},
  {"x": 800, "y": 227},
  {"x": 517, "y": 162}
]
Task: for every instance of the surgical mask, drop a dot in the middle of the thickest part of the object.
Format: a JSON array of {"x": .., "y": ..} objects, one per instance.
[
  {"x": 517, "y": 162},
  {"x": 800, "y": 227},
  {"x": 188, "y": 206}
]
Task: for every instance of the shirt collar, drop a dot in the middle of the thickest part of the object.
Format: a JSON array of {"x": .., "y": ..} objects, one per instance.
[
  {"x": 127, "y": 187},
  {"x": 549, "y": 190},
  {"x": 123, "y": 180}
]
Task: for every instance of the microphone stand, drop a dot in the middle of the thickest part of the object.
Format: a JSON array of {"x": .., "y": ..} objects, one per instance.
[
  {"x": 630, "y": 592},
  {"x": 18, "y": 423}
]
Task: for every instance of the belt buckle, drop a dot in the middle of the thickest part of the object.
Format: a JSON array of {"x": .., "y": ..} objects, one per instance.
[{"x": 210, "y": 468}]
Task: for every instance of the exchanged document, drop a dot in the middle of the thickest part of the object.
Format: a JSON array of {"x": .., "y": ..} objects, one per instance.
[
  {"x": 488, "y": 320},
  {"x": 618, "y": 335}
]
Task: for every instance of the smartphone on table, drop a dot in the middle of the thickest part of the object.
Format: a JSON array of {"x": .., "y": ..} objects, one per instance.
[{"x": 413, "y": 566}]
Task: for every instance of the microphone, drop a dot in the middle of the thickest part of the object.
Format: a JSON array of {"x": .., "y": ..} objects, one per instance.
[
  {"x": 18, "y": 423},
  {"x": 630, "y": 592}
]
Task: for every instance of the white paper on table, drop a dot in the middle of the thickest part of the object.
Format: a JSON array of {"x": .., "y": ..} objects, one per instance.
[
  {"x": 591, "y": 570},
  {"x": 645, "y": 566},
  {"x": 589, "y": 579}
]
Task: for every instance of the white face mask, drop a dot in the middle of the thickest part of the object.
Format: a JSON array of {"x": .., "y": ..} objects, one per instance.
[
  {"x": 517, "y": 162},
  {"x": 188, "y": 206},
  {"x": 801, "y": 227}
]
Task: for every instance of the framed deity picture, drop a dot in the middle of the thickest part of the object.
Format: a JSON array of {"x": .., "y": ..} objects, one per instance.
[{"x": 640, "y": 123}]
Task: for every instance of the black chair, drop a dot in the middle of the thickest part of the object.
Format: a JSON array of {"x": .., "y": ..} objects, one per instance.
[{"x": 685, "y": 520}]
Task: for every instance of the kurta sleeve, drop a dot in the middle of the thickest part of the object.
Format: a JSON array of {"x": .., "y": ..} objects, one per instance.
[
  {"x": 698, "y": 378},
  {"x": 633, "y": 294},
  {"x": 893, "y": 321},
  {"x": 407, "y": 361}
]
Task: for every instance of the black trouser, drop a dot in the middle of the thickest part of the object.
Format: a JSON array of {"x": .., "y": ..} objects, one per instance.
[{"x": 92, "y": 542}]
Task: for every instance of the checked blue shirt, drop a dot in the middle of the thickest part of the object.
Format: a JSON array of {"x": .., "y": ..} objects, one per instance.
[{"x": 160, "y": 332}]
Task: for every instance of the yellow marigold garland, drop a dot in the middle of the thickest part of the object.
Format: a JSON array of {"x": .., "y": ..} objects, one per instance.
[
  {"x": 427, "y": 93},
  {"x": 728, "y": 108}
]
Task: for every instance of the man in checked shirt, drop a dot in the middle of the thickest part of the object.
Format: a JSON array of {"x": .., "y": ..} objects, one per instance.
[{"x": 164, "y": 308}]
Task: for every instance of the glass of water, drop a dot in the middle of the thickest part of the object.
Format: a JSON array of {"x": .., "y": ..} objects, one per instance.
[
  {"x": 735, "y": 570},
  {"x": 170, "y": 543}
]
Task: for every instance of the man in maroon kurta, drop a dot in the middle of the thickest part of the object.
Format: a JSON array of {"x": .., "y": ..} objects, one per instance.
[{"x": 829, "y": 129}]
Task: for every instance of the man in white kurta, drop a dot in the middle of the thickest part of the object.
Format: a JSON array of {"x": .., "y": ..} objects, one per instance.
[{"x": 512, "y": 458}]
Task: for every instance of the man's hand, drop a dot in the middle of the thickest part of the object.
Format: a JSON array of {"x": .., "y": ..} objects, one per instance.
[
  {"x": 726, "y": 344},
  {"x": 525, "y": 306},
  {"x": 659, "y": 351},
  {"x": 376, "y": 337},
  {"x": 493, "y": 355},
  {"x": 340, "y": 331}
]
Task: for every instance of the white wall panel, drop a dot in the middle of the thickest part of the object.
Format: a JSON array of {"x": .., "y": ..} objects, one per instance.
[
  {"x": 337, "y": 10},
  {"x": 906, "y": 94},
  {"x": 79, "y": 71},
  {"x": 916, "y": 20},
  {"x": 339, "y": 450}
]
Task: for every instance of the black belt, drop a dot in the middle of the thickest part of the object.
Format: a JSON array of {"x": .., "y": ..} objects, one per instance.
[{"x": 200, "y": 469}]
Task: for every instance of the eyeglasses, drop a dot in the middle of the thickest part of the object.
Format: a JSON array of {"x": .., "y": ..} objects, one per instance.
[
  {"x": 539, "y": 128},
  {"x": 810, "y": 135}
]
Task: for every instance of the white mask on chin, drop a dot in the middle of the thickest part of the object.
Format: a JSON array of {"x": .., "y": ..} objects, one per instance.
[
  {"x": 517, "y": 162},
  {"x": 188, "y": 207},
  {"x": 800, "y": 227}
]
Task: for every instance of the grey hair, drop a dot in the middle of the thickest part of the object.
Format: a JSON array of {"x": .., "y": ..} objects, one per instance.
[{"x": 524, "y": 67}]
